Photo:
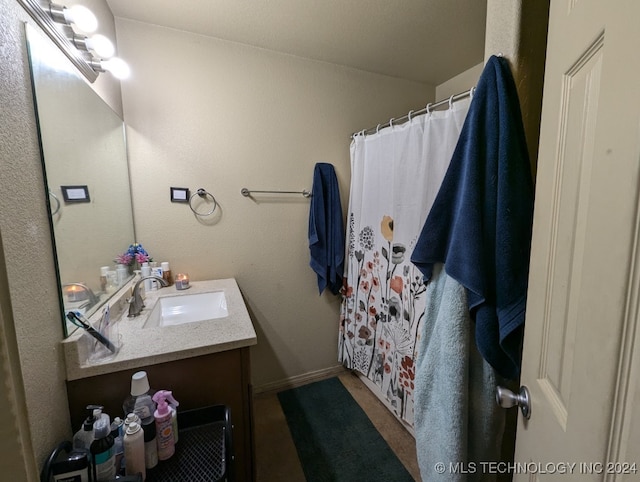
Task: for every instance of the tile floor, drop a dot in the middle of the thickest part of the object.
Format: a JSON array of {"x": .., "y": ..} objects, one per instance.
[{"x": 276, "y": 457}]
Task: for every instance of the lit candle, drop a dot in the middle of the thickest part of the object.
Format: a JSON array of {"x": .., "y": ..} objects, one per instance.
[
  {"x": 182, "y": 281},
  {"x": 72, "y": 293},
  {"x": 75, "y": 293}
]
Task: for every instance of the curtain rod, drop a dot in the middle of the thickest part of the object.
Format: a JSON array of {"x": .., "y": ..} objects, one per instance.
[{"x": 430, "y": 106}]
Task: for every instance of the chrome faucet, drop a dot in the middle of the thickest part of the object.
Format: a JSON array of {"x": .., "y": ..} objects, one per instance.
[{"x": 135, "y": 302}]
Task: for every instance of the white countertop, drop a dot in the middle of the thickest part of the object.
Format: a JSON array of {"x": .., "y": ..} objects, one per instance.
[{"x": 149, "y": 346}]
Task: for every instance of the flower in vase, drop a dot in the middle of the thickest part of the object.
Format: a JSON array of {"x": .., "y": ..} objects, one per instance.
[{"x": 135, "y": 254}]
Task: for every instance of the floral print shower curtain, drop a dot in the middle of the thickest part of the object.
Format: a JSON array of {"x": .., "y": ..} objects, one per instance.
[{"x": 395, "y": 176}]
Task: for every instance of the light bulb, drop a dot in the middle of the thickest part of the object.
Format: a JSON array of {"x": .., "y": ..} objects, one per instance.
[
  {"x": 118, "y": 67},
  {"x": 101, "y": 45},
  {"x": 81, "y": 17}
]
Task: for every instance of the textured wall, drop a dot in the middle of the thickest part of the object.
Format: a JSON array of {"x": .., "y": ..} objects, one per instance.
[
  {"x": 518, "y": 30},
  {"x": 201, "y": 112},
  {"x": 461, "y": 82},
  {"x": 30, "y": 324}
]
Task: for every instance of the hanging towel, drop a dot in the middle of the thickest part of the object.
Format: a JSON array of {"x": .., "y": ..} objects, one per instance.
[
  {"x": 457, "y": 420},
  {"x": 326, "y": 229},
  {"x": 480, "y": 223}
]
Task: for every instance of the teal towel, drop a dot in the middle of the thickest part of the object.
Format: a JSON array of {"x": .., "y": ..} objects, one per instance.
[{"x": 457, "y": 420}]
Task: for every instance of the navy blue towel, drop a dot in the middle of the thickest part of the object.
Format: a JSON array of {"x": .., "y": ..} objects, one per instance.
[
  {"x": 326, "y": 229},
  {"x": 480, "y": 223}
]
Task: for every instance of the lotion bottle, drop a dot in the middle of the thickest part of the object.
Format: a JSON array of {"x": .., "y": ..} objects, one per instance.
[{"x": 164, "y": 427}]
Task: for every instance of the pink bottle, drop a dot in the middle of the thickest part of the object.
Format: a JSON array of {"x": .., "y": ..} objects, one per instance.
[{"x": 164, "y": 426}]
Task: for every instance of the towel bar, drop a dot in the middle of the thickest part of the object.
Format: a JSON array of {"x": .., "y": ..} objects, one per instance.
[{"x": 247, "y": 193}]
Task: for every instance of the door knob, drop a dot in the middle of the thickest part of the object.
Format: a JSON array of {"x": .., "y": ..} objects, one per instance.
[{"x": 507, "y": 399}]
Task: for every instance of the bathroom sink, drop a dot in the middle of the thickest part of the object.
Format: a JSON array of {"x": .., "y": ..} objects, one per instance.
[{"x": 182, "y": 309}]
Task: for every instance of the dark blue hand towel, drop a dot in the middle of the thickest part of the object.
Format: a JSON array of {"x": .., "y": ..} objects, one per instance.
[
  {"x": 480, "y": 223},
  {"x": 326, "y": 229}
]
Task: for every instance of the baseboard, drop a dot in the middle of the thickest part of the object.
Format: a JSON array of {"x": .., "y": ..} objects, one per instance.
[{"x": 298, "y": 380}]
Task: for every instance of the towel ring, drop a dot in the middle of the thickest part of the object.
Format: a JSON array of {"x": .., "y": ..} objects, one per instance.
[
  {"x": 203, "y": 194},
  {"x": 55, "y": 198}
]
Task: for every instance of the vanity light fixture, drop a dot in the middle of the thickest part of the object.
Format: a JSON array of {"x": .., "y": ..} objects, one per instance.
[
  {"x": 115, "y": 65},
  {"x": 99, "y": 44},
  {"x": 91, "y": 55},
  {"x": 77, "y": 15}
]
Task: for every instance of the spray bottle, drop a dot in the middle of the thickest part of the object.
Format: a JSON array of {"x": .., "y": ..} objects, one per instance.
[
  {"x": 173, "y": 406},
  {"x": 164, "y": 428}
]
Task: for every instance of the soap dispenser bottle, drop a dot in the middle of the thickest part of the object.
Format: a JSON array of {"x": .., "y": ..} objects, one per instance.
[
  {"x": 102, "y": 452},
  {"x": 83, "y": 438},
  {"x": 164, "y": 427}
]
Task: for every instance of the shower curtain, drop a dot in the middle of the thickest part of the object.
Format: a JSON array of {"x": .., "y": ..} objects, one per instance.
[{"x": 395, "y": 176}]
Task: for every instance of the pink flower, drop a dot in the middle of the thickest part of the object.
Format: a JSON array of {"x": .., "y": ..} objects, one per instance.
[
  {"x": 124, "y": 258},
  {"x": 376, "y": 283},
  {"x": 397, "y": 284},
  {"x": 142, "y": 258}
]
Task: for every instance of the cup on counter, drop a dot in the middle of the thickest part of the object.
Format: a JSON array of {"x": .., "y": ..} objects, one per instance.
[{"x": 181, "y": 281}]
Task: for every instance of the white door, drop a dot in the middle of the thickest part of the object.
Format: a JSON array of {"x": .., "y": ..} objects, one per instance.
[{"x": 582, "y": 332}]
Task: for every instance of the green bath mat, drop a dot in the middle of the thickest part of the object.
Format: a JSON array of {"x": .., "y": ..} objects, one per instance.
[{"x": 335, "y": 440}]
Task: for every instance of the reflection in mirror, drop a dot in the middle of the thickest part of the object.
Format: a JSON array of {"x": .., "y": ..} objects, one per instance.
[{"x": 87, "y": 179}]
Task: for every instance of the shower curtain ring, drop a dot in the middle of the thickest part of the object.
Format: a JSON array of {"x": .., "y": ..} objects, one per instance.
[
  {"x": 391, "y": 122},
  {"x": 429, "y": 108},
  {"x": 409, "y": 115},
  {"x": 377, "y": 128},
  {"x": 472, "y": 91},
  {"x": 451, "y": 102}
]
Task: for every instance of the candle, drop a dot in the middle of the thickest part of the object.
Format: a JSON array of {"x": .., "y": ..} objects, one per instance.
[
  {"x": 182, "y": 281},
  {"x": 75, "y": 293}
]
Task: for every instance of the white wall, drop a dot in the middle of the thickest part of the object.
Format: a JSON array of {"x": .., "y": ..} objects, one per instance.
[{"x": 202, "y": 112}]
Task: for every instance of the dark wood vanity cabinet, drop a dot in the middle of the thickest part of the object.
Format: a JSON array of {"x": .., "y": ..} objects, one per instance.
[{"x": 201, "y": 381}]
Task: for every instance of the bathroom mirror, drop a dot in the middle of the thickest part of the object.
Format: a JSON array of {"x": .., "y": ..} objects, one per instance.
[{"x": 86, "y": 174}]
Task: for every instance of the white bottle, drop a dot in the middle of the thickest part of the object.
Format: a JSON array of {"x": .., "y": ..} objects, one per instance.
[
  {"x": 123, "y": 273},
  {"x": 145, "y": 270},
  {"x": 156, "y": 271},
  {"x": 134, "y": 450}
]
